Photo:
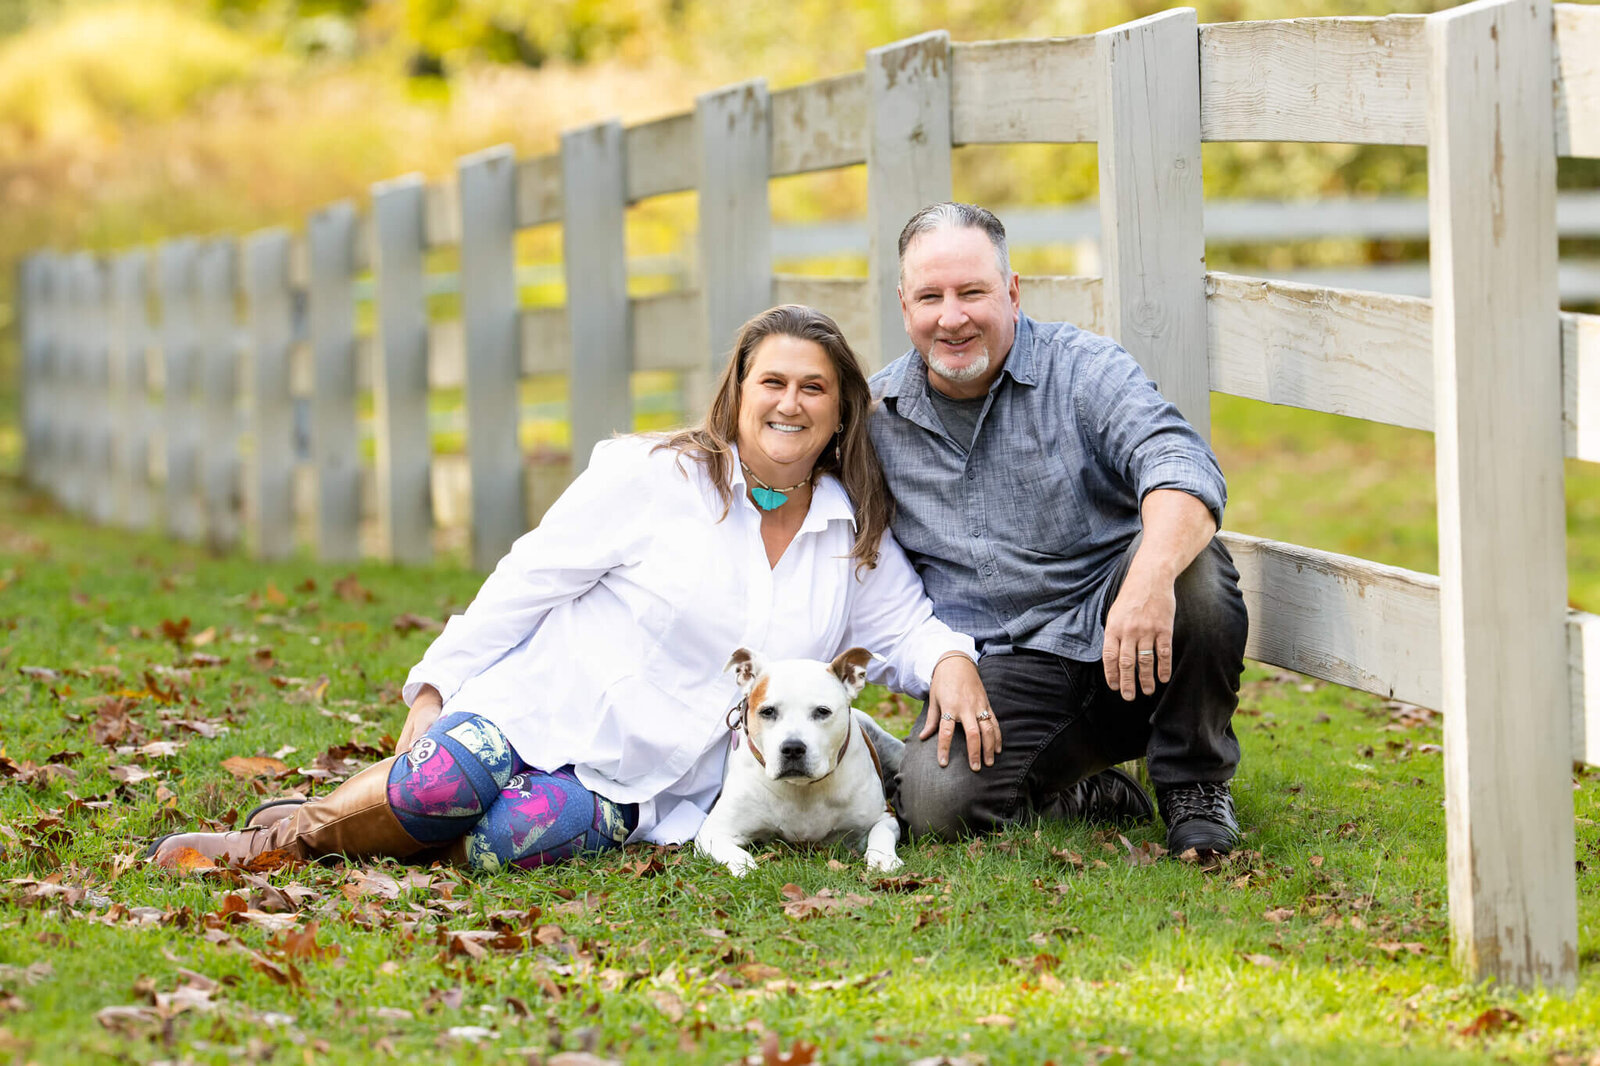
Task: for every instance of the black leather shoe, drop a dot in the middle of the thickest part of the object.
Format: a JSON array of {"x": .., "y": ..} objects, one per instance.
[
  {"x": 1199, "y": 816},
  {"x": 1108, "y": 796}
]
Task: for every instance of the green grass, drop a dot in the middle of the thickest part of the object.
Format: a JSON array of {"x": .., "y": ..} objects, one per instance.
[{"x": 1325, "y": 941}]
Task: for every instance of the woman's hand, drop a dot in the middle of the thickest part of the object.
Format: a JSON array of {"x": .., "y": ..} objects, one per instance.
[
  {"x": 957, "y": 695},
  {"x": 424, "y": 712}
]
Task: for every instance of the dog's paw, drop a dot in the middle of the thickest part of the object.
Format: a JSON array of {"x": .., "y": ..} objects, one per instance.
[
  {"x": 883, "y": 862},
  {"x": 740, "y": 865}
]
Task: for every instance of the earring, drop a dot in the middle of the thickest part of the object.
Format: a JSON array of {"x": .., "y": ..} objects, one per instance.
[{"x": 838, "y": 454}]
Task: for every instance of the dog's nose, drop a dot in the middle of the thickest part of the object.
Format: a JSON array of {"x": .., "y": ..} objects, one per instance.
[{"x": 793, "y": 750}]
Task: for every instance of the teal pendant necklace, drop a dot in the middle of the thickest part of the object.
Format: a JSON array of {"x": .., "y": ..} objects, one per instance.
[{"x": 766, "y": 497}]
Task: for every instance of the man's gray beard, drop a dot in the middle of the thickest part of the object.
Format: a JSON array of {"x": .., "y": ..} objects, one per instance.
[{"x": 971, "y": 372}]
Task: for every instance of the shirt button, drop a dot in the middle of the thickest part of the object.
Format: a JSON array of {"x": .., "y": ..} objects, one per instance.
[
  {"x": 972, "y": 475},
  {"x": 977, "y": 532}
]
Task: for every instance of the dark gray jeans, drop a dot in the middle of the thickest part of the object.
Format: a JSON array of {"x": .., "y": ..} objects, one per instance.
[{"x": 1060, "y": 722}]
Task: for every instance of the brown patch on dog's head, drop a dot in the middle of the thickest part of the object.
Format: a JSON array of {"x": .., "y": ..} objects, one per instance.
[
  {"x": 746, "y": 666},
  {"x": 850, "y": 667},
  {"x": 757, "y": 696}
]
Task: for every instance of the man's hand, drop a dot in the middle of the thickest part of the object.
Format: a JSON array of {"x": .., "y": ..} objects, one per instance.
[
  {"x": 956, "y": 695},
  {"x": 1138, "y": 641},
  {"x": 424, "y": 712}
]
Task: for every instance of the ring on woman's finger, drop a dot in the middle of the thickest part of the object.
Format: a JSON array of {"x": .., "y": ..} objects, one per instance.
[
  {"x": 984, "y": 716},
  {"x": 947, "y": 718}
]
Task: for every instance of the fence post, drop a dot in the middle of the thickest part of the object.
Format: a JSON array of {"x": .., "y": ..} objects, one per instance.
[
  {"x": 400, "y": 379},
  {"x": 1152, "y": 241},
  {"x": 72, "y": 396},
  {"x": 182, "y": 423},
  {"x": 908, "y": 167},
  {"x": 218, "y": 344},
  {"x": 46, "y": 387},
  {"x": 489, "y": 313},
  {"x": 272, "y": 328},
  {"x": 130, "y": 330},
  {"x": 330, "y": 236},
  {"x": 99, "y": 439},
  {"x": 1502, "y": 512},
  {"x": 594, "y": 202},
  {"x": 27, "y": 289},
  {"x": 734, "y": 130}
]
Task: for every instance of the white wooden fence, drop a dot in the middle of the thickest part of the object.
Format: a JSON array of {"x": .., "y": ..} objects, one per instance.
[{"x": 1509, "y": 385}]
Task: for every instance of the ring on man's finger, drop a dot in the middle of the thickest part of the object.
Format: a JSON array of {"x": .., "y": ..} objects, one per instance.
[
  {"x": 947, "y": 718},
  {"x": 1146, "y": 654}
]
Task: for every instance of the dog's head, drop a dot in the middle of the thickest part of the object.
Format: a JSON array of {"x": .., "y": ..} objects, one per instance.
[{"x": 799, "y": 716}]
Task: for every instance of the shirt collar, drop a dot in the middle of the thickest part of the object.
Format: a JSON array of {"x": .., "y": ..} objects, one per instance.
[
  {"x": 907, "y": 382},
  {"x": 829, "y": 501}
]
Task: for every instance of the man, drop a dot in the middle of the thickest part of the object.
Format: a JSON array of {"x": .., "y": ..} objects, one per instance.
[{"x": 1064, "y": 514}]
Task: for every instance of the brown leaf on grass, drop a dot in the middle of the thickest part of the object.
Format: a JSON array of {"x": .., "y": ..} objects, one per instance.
[
  {"x": 800, "y": 1053},
  {"x": 1279, "y": 915},
  {"x": 905, "y": 883},
  {"x": 667, "y": 1003},
  {"x": 184, "y": 860},
  {"x": 411, "y": 623},
  {"x": 245, "y": 767},
  {"x": 206, "y": 636},
  {"x": 130, "y": 774},
  {"x": 1068, "y": 856},
  {"x": 177, "y": 632},
  {"x": 40, "y": 673},
  {"x": 167, "y": 694},
  {"x": 644, "y": 867},
  {"x": 825, "y": 902},
  {"x": 302, "y": 944},
  {"x": 1492, "y": 1021},
  {"x": 1001, "y": 1020},
  {"x": 201, "y": 659},
  {"x": 1144, "y": 854},
  {"x": 287, "y": 975},
  {"x": 112, "y": 725},
  {"x": 927, "y": 918},
  {"x": 1264, "y": 961},
  {"x": 349, "y": 589},
  {"x": 1394, "y": 947}
]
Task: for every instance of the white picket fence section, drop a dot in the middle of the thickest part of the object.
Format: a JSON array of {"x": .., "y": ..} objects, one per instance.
[{"x": 1496, "y": 90}]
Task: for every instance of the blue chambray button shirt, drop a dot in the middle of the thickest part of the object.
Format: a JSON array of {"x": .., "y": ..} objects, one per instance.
[{"x": 1017, "y": 539}]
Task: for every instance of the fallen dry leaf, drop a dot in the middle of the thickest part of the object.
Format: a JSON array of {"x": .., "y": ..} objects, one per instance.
[
  {"x": 800, "y": 1053},
  {"x": 245, "y": 767},
  {"x": 1265, "y": 961},
  {"x": 1003, "y": 1020},
  {"x": 1279, "y": 914},
  {"x": 1492, "y": 1021}
]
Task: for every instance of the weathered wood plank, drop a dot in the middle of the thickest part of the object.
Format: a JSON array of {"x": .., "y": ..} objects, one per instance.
[
  {"x": 546, "y": 341},
  {"x": 94, "y": 369},
  {"x": 661, "y": 156},
  {"x": 1578, "y": 80},
  {"x": 31, "y": 379},
  {"x": 734, "y": 130},
  {"x": 1497, "y": 383},
  {"x": 1351, "y": 80},
  {"x": 845, "y": 300},
  {"x": 1065, "y": 299},
  {"x": 181, "y": 431},
  {"x": 330, "y": 237},
  {"x": 130, "y": 330},
  {"x": 217, "y": 291},
  {"x": 45, "y": 382},
  {"x": 441, "y": 225},
  {"x": 400, "y": 379},
  {"x": 1580, "y": 374},
  {"x": 489, "y": 317},
  {"x": 1360, "y": 354},
  {"x": 1341, "y": 619},
  {"x": 1150, "y": 205},
  {"x": 908, "y": 167},
  {"x": 669, "y": 333},
  {"x": 538, "y": 190},
  {"x": 1583, "y": 655},
  {"x": 820, "y": 125},
  {"x": 1004, "y": 92},
  {"x": 271, "y": 328},
  {"x": 599, "y": 321}
]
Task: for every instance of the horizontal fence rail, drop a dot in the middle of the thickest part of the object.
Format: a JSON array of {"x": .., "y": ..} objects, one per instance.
[{"x": 224, "y": 428}]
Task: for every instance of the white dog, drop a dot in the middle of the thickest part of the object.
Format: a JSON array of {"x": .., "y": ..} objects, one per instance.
[{"x": 808, "y": 768}]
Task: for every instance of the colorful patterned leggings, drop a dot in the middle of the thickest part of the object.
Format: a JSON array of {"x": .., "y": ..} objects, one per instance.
[{"x": 463, "y": 779}]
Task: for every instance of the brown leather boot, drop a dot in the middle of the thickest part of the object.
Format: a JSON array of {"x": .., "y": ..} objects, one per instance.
[{"x": 353, "y": 820}]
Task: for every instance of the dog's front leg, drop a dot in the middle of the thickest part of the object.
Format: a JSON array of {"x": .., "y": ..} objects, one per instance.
[
  {"x": 881, "y": 839},
  {"x": 725, "y": 846}
]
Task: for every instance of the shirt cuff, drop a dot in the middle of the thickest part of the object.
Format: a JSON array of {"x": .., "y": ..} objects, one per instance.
[{"x": 1191, "y": 478}]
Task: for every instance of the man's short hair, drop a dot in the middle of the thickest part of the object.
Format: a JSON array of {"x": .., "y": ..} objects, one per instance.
[{"x": 952, "y": 214}]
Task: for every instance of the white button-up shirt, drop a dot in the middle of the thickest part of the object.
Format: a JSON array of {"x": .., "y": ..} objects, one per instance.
[{"x": 600, "y": 639}]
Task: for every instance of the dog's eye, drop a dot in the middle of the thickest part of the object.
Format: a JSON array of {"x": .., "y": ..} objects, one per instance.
[
  {"x": 822, "y": 712},
  {"x": 769, "y": 713}
]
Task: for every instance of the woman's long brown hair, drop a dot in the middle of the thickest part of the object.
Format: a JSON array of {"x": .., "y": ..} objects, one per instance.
[{"x": 856, "y": 462}]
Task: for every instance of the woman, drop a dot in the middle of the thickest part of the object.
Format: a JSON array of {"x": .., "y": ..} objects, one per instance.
[{"x": 580, "y": 702}]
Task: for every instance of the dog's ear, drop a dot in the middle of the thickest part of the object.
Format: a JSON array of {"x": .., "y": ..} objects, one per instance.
[
  {"x": 746, "y": 666},
  {"x": 851, "y": 668}
]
